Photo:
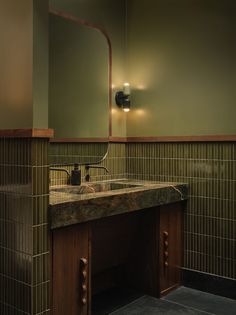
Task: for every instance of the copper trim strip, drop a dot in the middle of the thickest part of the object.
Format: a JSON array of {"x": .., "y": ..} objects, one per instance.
[
  {"x": 219, "y": 138},
  {"x": 212, "y": 138},
  {"x": 82, "y": 140},
  {"x": 27, "y": 133}
]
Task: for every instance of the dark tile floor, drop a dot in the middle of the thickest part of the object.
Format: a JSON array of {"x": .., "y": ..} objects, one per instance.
[
  {"x": 148, "y": 305},
  {"x": 205, "y": 302},
  {"x": 108, "y": 301},
  {"x": 183, "y": 301}
]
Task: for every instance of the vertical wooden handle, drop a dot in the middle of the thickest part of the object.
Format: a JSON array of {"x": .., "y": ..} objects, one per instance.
[
  {"x": 165, "y": 248},
  {"x": 83, "y": 280}
]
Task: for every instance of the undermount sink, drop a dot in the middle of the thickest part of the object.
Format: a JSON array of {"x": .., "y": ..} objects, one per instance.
[{"x": 94, "y": 187}]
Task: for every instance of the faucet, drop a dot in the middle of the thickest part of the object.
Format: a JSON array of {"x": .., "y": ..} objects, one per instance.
[
  {"x": 58, "y": 169},
  {"x": 74, "y": 178},
  {"x": 87, "y": 167},
  {"x": 76, "y": 171}
]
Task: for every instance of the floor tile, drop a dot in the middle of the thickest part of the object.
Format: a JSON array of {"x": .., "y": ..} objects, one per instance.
[
  {"x": 202, "y": 301},
  {"x": 147, "y": 305}
]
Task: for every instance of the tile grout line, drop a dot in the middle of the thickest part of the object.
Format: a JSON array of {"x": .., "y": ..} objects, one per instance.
[{"x": 188, "y": 307}]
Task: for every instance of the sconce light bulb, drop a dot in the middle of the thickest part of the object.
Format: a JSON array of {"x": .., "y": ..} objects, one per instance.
[
  {"x": 126, "y": 110},
  {"x": 126, "y": 88}
]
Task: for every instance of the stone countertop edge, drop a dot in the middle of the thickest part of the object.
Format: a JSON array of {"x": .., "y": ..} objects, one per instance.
[{"x": 70, "y": 209}]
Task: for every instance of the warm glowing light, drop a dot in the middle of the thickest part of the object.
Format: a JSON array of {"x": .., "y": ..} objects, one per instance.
[
  {"x": 141, "y": 87},
  {"x": 126, "y": 88},
  {"x": 126, "y": 110},
  {"x": 140, "y": 112}
]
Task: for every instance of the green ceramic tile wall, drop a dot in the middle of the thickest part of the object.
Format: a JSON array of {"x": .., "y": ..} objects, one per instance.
[
  {"x": 24, "y": 242},
  {"x": 210, "y": 170},
  {"x": 210, "y": 218}
]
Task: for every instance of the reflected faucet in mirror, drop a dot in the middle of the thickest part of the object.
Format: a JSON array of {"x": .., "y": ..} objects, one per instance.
[
  {"x": 87, "y": 167},
  {"x": 75, "y": 178},
  {"x": 58, "y": 169}
]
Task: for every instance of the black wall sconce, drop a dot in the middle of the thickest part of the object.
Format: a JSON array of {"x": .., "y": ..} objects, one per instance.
[{"x": 122, "y": 98}]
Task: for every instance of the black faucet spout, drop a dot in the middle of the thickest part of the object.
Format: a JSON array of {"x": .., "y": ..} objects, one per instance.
[{"x": 87, "y": 167}]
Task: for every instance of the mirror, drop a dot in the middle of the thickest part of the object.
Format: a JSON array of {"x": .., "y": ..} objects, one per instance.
[{"x": 79, "y": 87}]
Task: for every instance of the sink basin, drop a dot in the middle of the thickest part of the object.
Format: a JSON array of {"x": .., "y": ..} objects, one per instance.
[{"x": 94, "y": 187}]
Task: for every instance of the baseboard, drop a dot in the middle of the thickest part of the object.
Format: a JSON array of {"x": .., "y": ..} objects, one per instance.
[{"x": 209, "y": 283}]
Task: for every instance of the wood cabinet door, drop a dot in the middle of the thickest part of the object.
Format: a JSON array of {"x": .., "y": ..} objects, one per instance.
[
  {"x": 71, "y": 270},
  {"x": 170, "y": 246}
]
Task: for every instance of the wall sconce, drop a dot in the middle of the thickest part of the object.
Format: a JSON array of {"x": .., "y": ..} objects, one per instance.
[{"x": 122, "y": 98}]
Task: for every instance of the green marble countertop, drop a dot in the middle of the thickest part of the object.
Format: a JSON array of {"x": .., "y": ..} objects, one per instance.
[{"x": 66, "y": 207}]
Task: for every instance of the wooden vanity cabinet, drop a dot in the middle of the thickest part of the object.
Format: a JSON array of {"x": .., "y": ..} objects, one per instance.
[
  {"x": 71, "y": 270},
  {"x": 140, "y": 250},
  {"x": 156, "y": 261}
]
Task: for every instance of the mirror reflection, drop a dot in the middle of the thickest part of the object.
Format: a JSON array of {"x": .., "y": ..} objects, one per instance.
[
  {"x": 78, "y": 80},
  {"x": 79, "y": 88}
]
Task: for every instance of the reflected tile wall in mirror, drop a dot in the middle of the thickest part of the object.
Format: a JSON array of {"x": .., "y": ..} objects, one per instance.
[{"x": 80, "y": 152}]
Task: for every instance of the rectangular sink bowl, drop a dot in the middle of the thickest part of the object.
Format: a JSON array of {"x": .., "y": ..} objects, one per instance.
[{"x": 94, "y": 187}]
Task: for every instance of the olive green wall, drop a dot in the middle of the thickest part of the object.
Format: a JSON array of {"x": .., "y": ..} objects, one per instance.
[
  {"x": 78, "y": 80},
  {"x": 40, "y": 64},
  {"x": 23, "y": 64},
  {"x": 16, "y": 33},
  {"x": 109, "y": 15},
  {"x": 182, "y": 65}
]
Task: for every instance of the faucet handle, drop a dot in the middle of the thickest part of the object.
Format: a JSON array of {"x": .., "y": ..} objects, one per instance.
[{"x": 87, "y": 177}]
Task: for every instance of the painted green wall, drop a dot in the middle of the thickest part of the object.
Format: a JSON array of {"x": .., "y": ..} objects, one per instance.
[
  {"x": 182, "y": 65},
  {"x": 40, "y": 64},
  {"x": 110, "y": 16},
  {"x": 23, "y": 64},
  {"x": 16, "y": 33},
  {"x": 78, "y": 80}
]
